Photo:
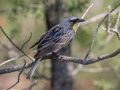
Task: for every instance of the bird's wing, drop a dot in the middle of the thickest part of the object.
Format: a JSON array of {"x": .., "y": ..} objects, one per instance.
[
  {"x": 58, "y": 37},
  {"x": 65, "y": 38},
  {"x": 40, "y": 40}
]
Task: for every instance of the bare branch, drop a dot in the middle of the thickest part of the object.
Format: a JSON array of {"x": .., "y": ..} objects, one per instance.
[
  {"x": 98, "y": 70},
  {"x": 15, "y": 68},
  {"x": 80, "y": 67},
  {"x": 115, "y": 29},
  {"x": 117, "y": 21},
  {"x": 10, "y": 60},
  {"x": 80, "y": 61},
  {"x": 32, "y": 85},
  {"x": 76, "y": 70},
  {"x": 85, "y": 13},
  {"x": 63, "y": 58},
  {"x": 95, "y": 34},
  {"x": 116, "y": 26},
  {"x": 22, "y": 69},
  {"x": 109, "y": 22},
  {"x": 96, "y": 18},
  {"x": 15, "y": 44},
  {"x": 26, "y": 41},
  {"x": 11, "y": 51},
  {"x": 42, "y": 76}
]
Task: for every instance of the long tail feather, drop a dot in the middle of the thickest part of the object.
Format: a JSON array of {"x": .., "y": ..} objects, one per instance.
[{"x": 34, "y": 66}]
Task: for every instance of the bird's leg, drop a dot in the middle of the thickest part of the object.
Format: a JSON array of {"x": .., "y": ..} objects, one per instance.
[{"x": 54, "y": 54}]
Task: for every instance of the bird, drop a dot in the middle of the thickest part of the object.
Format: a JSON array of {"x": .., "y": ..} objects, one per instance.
[{"x": 54, "y": 39}]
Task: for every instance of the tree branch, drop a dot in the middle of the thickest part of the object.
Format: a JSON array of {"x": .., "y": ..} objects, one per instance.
[
  {"x": 22, "y": 69},
  {"x": 26, "y": 41},
  {"x": 32, "y": 85},
  {"x": 7, "y": 61},
  {"x": 95, "y": 34},
  {"x": 15, "y": 44},
  {"x": 55, "y": 56}
]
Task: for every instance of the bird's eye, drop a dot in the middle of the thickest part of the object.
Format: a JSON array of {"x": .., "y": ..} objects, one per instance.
[{"x": 72, "y": 21}]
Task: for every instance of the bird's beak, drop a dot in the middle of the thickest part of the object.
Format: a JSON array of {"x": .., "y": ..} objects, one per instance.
[
  {"x": 78, "y": 22},
  {"x": 81, "y": 20}
]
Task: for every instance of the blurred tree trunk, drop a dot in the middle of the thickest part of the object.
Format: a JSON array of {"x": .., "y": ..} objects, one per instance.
[{"x": 61, "y": 77}]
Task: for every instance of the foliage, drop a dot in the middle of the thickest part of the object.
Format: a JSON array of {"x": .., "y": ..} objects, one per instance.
[
  {"x": 104, "y": 85},
  {"x": 74, "y": 6}
]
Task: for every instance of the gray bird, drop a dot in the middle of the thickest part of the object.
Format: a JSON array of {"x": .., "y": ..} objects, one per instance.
[{"x": 54, "y": 39}]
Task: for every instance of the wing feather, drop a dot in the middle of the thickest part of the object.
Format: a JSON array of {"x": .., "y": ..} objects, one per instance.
[
  {"x": 46, "y": 35},
  {"x": 53, "y": 40}
]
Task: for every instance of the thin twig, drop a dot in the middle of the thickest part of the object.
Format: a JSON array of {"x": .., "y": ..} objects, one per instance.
[
  {"x": 32, "y": 85},
  {"x": 95, "y": 34},
  {"x": 10, "y": 60},
  {"x": 116, "y": 26},
  {"x": 96, "y": 18},
  {"x": 115, "y": 29},
  {"x": 117, "y": 21},
  {"x": 22, "y": 69},
  {"x": 109, "y": 22},
  {"x": 43, "y": 76},
  {"x": 85, "y": 13},
  {"x": 79, "y": 66},
  {"x": 15, "y": 44},
  {"x": 26, "y": 41},
  {"x": 9, "y": 49},
  {"x": 98, "y": 70}
]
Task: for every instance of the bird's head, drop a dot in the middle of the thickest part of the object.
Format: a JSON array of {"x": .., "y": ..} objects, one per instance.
[{"x": 72, "y": 22}]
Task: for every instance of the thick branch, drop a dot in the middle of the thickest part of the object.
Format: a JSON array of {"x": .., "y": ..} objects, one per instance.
[{"x": 63, "y": 58}]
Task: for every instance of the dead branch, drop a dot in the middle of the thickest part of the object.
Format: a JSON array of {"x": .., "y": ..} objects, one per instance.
[
  {"x": 115, "y": 29},
  {"x": 95, "y": 34},
  {"x": 32, "y": 85},
  {"x": 15, "y": 68},
  {"x": 97, "y": 18},
  {"x": 43, "y": 76},
  {"x": 26, "y": 41},
  {"x": 55, "y": 56},
  {"x": 15, "y": 44},
  {"x": 12, "y": 52},
  {"x": 20, "y": 56},
  {"x": 22, "y": 69}
]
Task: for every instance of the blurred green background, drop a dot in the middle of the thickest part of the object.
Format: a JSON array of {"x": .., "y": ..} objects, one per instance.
[{"x": 21, "y": 17}]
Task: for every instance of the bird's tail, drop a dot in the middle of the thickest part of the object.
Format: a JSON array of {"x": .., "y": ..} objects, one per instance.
[{"x": 34, "y": 66}]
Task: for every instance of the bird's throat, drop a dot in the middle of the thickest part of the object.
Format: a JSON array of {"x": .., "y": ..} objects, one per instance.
[{"x": 75, "y": 27}]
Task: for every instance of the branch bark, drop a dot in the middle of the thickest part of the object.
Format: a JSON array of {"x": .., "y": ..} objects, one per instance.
[{"x": 63, "y": 58}]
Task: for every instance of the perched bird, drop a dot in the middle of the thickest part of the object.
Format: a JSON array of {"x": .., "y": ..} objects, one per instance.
[{"x": 54, "y": 39}]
